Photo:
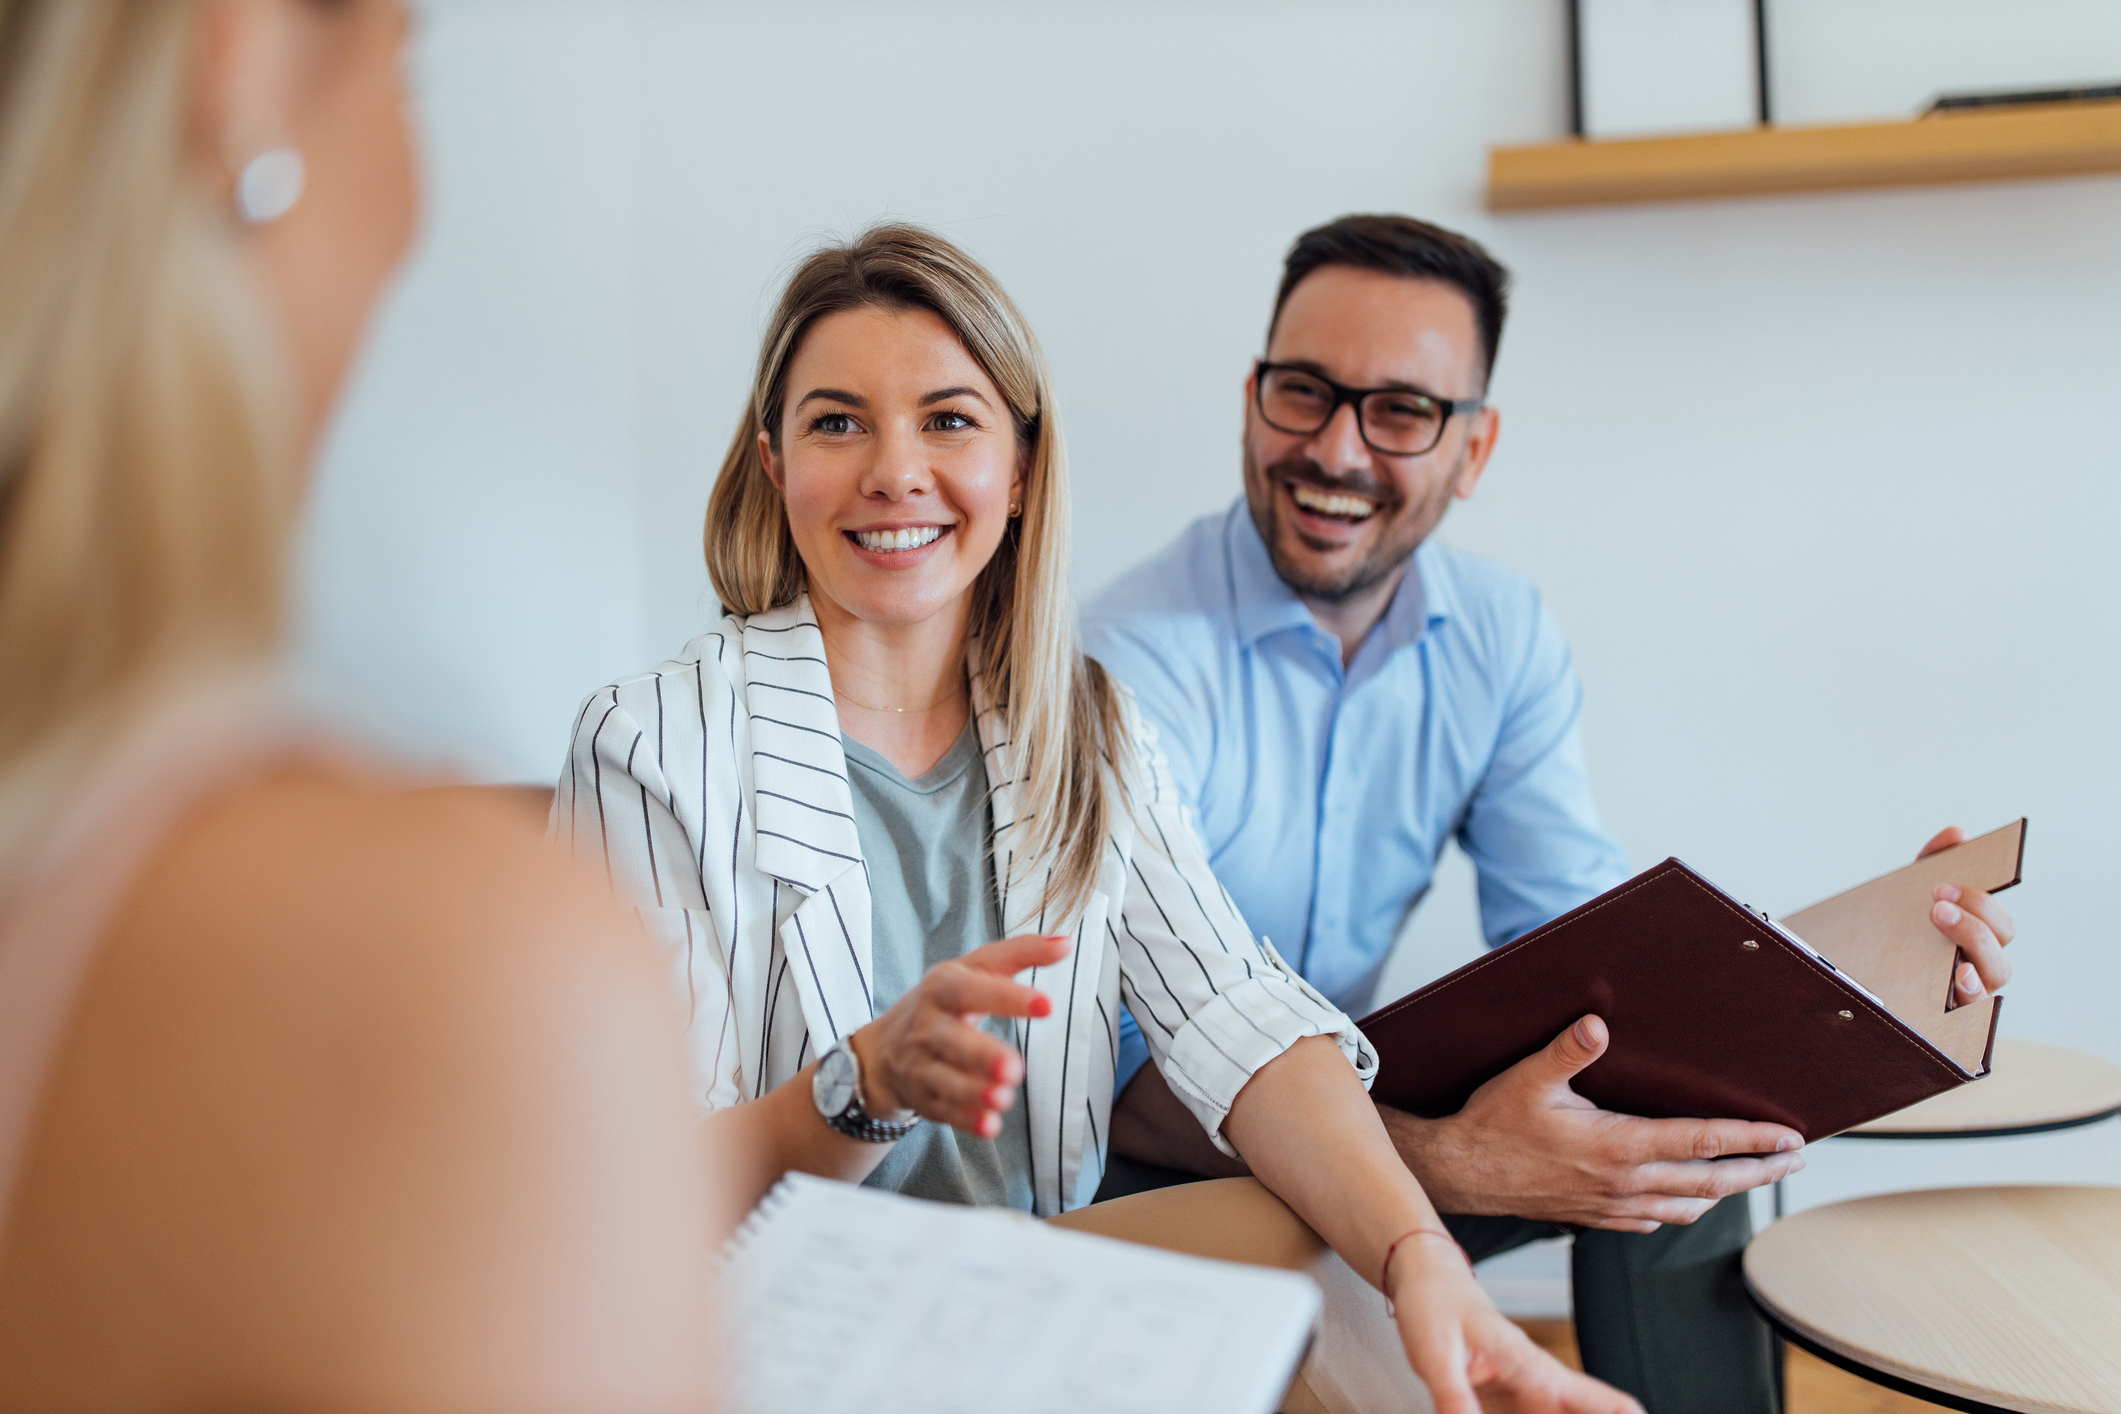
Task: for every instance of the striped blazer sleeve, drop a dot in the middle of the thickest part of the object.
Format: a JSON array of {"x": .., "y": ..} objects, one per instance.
[
  {"x": 615, "y": 807},
  {"x": 1215, "y": 1004}
]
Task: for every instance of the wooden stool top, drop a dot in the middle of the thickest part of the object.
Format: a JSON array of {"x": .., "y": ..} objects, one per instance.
[
  {"x": 2006, "y": 1297},
  {"x": 2029, "y": 1087}
]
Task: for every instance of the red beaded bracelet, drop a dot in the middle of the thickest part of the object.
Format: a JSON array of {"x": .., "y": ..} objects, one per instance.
[{"x": 1384, "y": 1277}]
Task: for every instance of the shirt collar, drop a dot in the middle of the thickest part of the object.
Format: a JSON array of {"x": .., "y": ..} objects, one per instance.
[{"x": 1265, "y": 603}]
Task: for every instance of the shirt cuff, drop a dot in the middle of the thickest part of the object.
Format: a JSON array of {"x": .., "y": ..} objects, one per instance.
[{"x": 1218, "y": 1051}]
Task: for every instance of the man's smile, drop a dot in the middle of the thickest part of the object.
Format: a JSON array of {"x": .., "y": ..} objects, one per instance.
[{"x": 1333, "y": 505}]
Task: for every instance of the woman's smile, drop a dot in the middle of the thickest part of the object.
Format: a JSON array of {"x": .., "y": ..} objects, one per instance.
[{"x": 895, "y": 547}]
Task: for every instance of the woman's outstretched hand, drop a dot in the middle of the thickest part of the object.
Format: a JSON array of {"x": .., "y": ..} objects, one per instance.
[
  {"x": 928, "y": 1055},
  {"x": 1471, "y": 1358}
]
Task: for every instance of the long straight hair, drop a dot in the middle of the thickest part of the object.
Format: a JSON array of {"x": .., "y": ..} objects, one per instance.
[
  {"x": 1061, "y": 712},
  {"x": 147, "y": 485}
]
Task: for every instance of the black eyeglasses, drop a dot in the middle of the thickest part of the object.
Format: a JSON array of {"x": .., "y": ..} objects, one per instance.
[{"x": 1399, "y": 422}]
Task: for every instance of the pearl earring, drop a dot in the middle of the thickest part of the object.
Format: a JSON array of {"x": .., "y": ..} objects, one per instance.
[
  {"x": 1012, "y": 510},
  {"x": 270, "y": 185}
]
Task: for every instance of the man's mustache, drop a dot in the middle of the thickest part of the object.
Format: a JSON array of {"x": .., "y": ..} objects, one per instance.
[{"x": 1311, "y": 474}]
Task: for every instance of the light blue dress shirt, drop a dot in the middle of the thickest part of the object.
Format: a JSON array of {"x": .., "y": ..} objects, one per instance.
[{"x": 1324, "y": 795}]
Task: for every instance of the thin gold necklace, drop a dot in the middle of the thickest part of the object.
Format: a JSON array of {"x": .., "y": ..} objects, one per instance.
[{"x": 950, "y": 696}]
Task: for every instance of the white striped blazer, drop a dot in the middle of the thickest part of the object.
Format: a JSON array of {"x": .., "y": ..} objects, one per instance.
[{"x": 714, "y": 792}]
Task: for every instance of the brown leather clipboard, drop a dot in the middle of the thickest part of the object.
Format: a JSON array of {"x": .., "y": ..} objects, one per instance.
[{"x": 1829, "y": 1020}]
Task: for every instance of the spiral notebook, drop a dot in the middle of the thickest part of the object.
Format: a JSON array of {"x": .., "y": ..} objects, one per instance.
[{"x": 845, "y": 1298}]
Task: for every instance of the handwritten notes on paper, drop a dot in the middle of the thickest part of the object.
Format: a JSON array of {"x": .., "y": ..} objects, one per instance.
[{"x": 844, "y": 1298}]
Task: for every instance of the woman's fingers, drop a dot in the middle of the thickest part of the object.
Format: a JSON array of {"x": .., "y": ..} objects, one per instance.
[
  {"x": 1439, "y": 1359},
  {"x": 970, "y": 991},
  {"x": 949, "y": 1086},
  {"x": 971, "y": 1075},
  {"x": 986, "y": 1058},
  {"x": 1943, "y": 839},
  {"x": 938, "y": 1063},
  {"x": 979, "y": 983},
  {"x": 947, "y": 1069},
  {"x": 1013, "y": 955},
  {"x": 927, "y": 1027},
  {"x": 1472, "y": 1359},
  {"x": 953, "y": 1097},
  {"x": 1522, "y": 1376},
  {"x": 1581, "y": 1394}
]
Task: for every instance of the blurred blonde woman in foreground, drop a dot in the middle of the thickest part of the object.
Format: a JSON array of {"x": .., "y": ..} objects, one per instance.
[
  {"x": 313, "y": 1093},
  {"x": 892, "y": 754}
]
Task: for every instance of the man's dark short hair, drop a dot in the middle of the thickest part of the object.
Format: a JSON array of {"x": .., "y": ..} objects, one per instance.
[{"x": 1401, "y": 245}]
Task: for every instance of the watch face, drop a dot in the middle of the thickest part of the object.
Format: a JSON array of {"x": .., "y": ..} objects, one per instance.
[{"x": 833, "y": 1086}]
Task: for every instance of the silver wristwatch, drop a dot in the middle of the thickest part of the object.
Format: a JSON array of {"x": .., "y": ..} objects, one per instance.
[{"x": 836, "y": 1089}]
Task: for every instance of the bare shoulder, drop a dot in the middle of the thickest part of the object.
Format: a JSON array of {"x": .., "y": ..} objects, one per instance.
[
  {"x": 335, "y": 877},
  {"x": 315, "y": 920},
  {"x": 359, "y": 1070}
]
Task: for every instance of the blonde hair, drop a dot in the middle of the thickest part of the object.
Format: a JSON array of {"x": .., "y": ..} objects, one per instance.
[
  {"x": 146, "y": 480},
  {"x": 1060, "y": 708}
]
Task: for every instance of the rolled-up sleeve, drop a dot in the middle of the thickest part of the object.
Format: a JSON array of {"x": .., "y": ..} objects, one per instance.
[{"x": 1215, "y": 1004}]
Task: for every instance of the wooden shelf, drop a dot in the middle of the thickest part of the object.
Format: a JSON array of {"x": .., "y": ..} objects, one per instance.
[{"x": 1972, "y": 146}]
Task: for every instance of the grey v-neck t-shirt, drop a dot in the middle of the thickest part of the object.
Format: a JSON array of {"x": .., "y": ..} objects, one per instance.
[{"x": 932, "y": 898}]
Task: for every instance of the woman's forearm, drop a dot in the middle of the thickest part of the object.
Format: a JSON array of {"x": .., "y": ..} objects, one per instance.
[
  {"x": 925, "y": 1053},
  {"x": 754, "y": 1144},
  {"x": 1311, "y": 1134}
]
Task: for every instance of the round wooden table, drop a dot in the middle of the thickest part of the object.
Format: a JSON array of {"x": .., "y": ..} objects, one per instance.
[
  {"x": 1974, "y": 1298},
  {"x": 2029, "y": 1088}
]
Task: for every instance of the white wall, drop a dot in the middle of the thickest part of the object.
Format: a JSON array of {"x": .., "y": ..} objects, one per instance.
[
  {"x": 474, "y": 558},
  {"x": 1822, "y": 487}
]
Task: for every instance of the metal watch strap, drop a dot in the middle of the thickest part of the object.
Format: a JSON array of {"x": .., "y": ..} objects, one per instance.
[{"x": 856, "y": 1123}]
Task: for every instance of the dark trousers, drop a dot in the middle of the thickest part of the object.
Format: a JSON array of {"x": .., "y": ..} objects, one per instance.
[{"x": 1662, "y": 1315}]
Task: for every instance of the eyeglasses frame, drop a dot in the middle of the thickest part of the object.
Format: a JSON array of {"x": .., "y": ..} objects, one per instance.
[{"x": 1452, "y": 407}]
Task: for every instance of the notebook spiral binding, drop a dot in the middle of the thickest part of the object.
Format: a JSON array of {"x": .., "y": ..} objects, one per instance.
[{"x": 754, "y": 1223}]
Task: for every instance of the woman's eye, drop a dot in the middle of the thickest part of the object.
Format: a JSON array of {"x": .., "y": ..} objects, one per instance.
[
  {"x": 832, "y": 424},
  {"x": 951, "y": 422}
]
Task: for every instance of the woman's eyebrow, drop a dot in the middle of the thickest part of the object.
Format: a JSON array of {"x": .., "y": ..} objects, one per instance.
[
  {"x": 834, "y": 395},
  {"x": 945, "y": 394}
]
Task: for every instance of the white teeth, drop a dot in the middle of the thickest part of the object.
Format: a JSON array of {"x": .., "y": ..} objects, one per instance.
[
  {"x": 888, "y": 540},
  {"x": 1328, "y": 504}
]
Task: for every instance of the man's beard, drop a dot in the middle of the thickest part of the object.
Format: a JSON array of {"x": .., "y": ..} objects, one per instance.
[{"x": 1401, "y": 533}]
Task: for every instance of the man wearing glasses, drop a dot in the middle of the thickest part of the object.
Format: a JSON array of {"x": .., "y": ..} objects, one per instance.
[{"x": 1340, "y": 696}]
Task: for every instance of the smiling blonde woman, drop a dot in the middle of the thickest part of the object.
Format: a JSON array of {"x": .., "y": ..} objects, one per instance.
[{"x": 892, "y": 753}]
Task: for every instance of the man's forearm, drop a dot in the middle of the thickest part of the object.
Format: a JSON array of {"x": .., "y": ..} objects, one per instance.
[
  {"x": 1151, "y": 1126},
  {"x": 1425, "y": 1147}
]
